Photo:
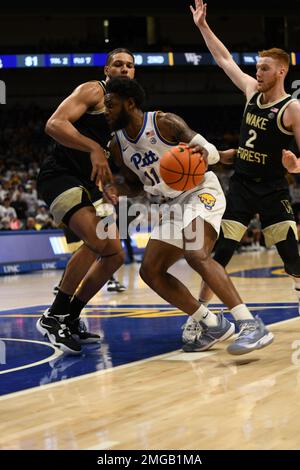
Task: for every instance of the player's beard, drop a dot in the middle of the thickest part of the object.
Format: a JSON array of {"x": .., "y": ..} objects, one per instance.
[
  {"x": 269, "y": 85},
  {"x": 121, "y": 122}
]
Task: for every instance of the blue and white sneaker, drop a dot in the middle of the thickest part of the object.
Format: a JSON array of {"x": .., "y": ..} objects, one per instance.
[
  {"x": 253, "y": 335},
  {"x": 206, "y": 338}
]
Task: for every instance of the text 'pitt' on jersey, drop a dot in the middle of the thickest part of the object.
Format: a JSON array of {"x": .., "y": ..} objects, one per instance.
[{"x": 142, "y": 155}]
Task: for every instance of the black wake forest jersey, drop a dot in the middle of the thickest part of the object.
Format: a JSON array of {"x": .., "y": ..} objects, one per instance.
[
  {"x": 75, "y": 162},
  {"x": 262, "y": 138}
]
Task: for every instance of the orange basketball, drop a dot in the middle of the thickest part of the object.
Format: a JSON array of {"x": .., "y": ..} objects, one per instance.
[{"x": 181, "y": 169}]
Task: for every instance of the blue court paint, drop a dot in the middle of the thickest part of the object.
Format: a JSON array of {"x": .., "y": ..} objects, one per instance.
[
  {"x": 274, "y": 271},
  {"x": 129, "y": 333}
]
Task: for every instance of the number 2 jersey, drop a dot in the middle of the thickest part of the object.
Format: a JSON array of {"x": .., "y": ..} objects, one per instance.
[
  {"x": 262, "y": 138},
  {"x": 141, "y": 155}
]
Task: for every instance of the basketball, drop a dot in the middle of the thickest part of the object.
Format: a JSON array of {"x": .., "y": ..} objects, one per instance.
[{"x": 181, "y": 169}]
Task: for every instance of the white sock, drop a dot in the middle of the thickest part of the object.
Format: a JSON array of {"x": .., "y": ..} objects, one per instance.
[
  {"x": 204, "y": 302},
  {"x": 241, "y": 312},
  {"x": 206, "y": 316}
]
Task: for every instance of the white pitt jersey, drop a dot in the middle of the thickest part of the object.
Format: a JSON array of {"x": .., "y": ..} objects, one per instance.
[{"x": 142, "y": 156}]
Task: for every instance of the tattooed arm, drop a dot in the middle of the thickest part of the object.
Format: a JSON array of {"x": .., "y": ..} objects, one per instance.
[{"x": 173, "y": 128}]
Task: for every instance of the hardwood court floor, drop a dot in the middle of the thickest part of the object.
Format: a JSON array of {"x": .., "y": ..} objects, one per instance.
[{"x": 170, "y": 399}]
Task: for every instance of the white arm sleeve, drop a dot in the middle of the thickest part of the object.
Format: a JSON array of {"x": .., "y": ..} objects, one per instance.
[{"x": 213, "y": 154}]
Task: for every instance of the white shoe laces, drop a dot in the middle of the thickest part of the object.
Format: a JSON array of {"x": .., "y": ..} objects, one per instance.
[
  {"x": 247, "y": 328},
  {"x": 191, "y": 328},
  {"x": 65, "y": 330}
]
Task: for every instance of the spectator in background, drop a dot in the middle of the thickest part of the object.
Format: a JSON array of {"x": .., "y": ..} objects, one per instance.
[
  {"x": 20, "y": 206},
  {"x": 5, "y": 224},
  {"x": 30, "y": 196},
  {"x": 6, "y": 210},
  {"x": 15, "y": 224},
  {"x": 30, "y": 224},
  {"x": 42, "y": 215},
  {"x": 49, "y": 224},
  {"x": 4, "y": 188}
]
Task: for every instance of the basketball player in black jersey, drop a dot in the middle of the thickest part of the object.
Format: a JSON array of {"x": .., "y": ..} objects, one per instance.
[
  {"x": 271, "y": 120},
  {"x": 69, "y": 182}
]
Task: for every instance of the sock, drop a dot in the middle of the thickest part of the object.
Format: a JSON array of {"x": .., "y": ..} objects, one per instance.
[
  {"x": 75, "y": 307},
  {"x": 60, "y": 306},
  {"x": 241, "y": 312},
  {"x": 203, "y": 302},
  {"x": 204, "y": 315}
]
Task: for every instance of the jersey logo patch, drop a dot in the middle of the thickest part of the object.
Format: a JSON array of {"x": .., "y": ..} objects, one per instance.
[{"x": 208, "y": 200}]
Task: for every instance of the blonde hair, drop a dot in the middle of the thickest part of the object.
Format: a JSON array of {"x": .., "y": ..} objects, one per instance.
[{"x": 277, "y": 54}]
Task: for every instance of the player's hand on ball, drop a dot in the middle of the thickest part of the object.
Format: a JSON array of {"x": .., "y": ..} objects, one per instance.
[{"x": 198, "y": 149}]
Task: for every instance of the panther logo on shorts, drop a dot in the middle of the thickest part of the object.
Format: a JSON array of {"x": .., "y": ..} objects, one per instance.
[{"x": 208, "y": 200}]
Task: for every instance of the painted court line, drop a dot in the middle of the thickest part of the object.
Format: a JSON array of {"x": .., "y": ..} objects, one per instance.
[
  {"x": 76, "y": 379},
  {"x": 110, "y": 370},
  {"x": 56, "y": 354}
]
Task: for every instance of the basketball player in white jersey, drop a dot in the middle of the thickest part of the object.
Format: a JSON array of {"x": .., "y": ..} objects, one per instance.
[{"x": 190, "y": 231}]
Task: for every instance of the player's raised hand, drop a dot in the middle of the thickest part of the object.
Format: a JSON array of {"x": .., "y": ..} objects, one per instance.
[
  {"x": 290, "y": 161},
  {"x": 199, "y": 12}
]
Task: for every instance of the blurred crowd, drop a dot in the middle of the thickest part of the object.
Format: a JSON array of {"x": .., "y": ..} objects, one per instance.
[{"x": 23, "y": 145}]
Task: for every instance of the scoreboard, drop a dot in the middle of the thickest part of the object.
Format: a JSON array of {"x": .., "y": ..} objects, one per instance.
[{"x": 95, "y": 59}]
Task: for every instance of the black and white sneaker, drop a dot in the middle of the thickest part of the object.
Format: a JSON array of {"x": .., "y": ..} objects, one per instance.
[
  {"x": 58, "y": 334},
  {"x": 115, "y": 286},
  {"x": 55, "y": 290},
  {"x": 79, "y": 331}
]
